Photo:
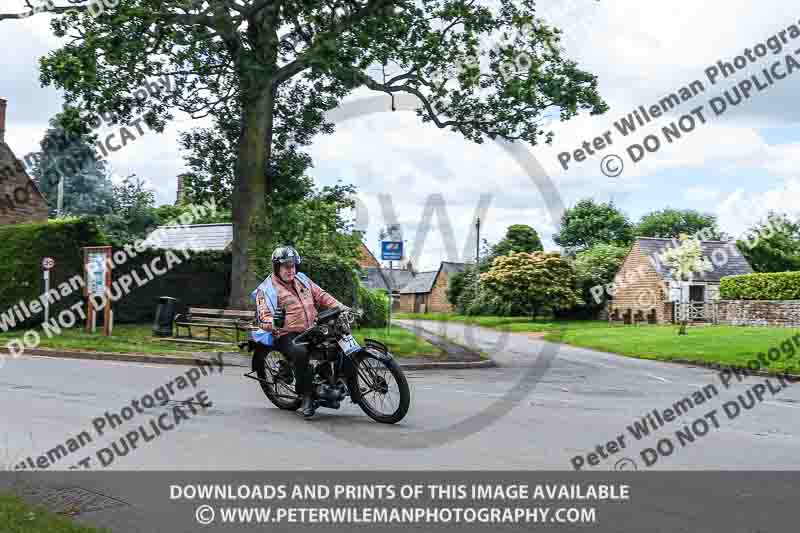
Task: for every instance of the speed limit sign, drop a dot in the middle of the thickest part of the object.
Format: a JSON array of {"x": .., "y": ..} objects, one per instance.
[{"x": 48, "y": 263}]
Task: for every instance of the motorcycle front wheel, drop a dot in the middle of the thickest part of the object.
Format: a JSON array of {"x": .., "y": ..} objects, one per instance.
[{"x": 381, "y": 388}]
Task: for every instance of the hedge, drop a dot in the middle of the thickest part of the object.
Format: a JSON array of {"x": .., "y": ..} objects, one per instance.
[
  {"x": 22, "y": 247},
  {"x": 763, "y": 286},
  {"x": 375, "y": 304},
  {"x": 201, "y": 280}
]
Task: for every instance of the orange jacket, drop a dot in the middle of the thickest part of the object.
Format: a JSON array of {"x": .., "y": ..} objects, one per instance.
[{"x": 301, "y": 305}]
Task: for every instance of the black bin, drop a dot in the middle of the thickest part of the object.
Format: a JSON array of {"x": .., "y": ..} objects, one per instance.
[{"x": 165, "y": 315}]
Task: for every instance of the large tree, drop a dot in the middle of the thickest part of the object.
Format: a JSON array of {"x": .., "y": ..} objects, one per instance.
[
  {"x": 133, "y": 214},
  {"x": 68, "y": 157},
  {"x": 671, "y": 223},
  {"x": 773, "y": 245},
  {"x": 597, "y": 266},
  {"x": 588, "y": 223},
  {"x": 519, "y": 238},
  {"x": 276, "y": 66}
]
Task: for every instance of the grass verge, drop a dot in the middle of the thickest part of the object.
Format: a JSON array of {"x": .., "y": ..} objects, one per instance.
[
  {"x": 19, "y": 517},
  {"x": 722, "y": 345},
  {"x": 125, "y": 338},
  {"x": 138, "y": 338},
  {"x": 401, "y": 342}
]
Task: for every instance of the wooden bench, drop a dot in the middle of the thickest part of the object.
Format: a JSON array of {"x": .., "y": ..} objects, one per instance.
[{"x": 220, "y": 319}]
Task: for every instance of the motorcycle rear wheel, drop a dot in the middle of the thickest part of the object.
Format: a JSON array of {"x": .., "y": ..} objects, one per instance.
[
  {"x": 266, "y": 364},
  {"x": 380, "y": 383}
]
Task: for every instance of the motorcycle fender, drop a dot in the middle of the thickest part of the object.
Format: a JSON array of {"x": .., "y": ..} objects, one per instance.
[{"x": 380, "y": 354}]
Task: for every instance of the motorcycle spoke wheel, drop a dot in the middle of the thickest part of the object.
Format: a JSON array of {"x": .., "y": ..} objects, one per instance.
[
  {"x": 272, "y": 367},
  {"x": 383, "y": 391}
]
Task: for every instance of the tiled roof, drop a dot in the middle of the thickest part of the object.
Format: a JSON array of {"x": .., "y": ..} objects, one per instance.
[
  {"x": 196, "y": 237},
  {"x": 453, "y": 268},
  {"x": 736, "y": 263},
  {"x": 421, "y": 283},
  {"x": 8, "y": 162},
  {"x": 372, "y": 278}
]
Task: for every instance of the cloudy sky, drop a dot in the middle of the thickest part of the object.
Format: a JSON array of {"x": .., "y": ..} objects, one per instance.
[{"x": 738, "y": 166}]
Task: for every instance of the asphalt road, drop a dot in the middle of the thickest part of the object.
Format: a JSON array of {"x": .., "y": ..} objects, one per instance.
[{"x": 542, "y": 406}]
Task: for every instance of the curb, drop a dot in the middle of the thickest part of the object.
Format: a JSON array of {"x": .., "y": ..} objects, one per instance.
[
  {"x": 716, "y": 366},
  {"x": 698, "y": 364},
  {"x": 171, "y": 360},
  {"x": 453, "y": 365},
  {"x": 113, "y": 356}
]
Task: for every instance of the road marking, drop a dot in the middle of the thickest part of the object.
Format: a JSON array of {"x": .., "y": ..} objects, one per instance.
[
  {"x": 658, "y": 378},
  {"x": 783, "y": 404},
  {"x": 471, "y": 393}
]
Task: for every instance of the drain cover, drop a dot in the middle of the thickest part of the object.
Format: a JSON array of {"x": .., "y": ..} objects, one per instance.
[{"x": 70, "y": 501}]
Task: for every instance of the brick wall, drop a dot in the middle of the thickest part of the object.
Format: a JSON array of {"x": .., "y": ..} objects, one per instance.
[
  {"x": 366, "y": 259},
  {"x": 638, "y": 287},
  {"x": 20, "y": 201},
  {"x": 406, "y": 303},
  {"x": 781, "y": 313},
  {"x": 437, "y": 299}
]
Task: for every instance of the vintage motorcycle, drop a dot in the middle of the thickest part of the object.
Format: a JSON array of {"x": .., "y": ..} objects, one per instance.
[{"x": 368, "y": 374}]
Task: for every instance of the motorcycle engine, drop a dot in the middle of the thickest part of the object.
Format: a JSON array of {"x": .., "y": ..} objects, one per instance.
[{"x": 331, "y": 396}]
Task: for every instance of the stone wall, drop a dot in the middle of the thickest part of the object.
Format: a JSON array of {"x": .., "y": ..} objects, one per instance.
[{"x": 781, "y": 313}]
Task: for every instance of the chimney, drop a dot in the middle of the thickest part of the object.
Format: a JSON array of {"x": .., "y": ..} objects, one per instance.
[
  {"x": 2, "y": 120},
  {"x": 179, "y": 196}
]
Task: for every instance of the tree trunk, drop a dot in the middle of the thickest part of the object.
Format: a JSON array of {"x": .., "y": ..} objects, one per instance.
[{"x": 248, "y": 198}]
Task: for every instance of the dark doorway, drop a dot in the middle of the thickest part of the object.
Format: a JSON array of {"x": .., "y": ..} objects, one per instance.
[{"x": 697, "y": 293}]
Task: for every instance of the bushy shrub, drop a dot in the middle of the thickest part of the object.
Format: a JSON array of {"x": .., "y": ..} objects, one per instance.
[
  {"x": 765, "y": 286},
  {"x": 374, "y": 303},
  {"x": 22, "y": 247}
]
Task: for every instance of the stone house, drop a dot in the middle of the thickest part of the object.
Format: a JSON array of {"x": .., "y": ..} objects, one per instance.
[
  {"x": 20, "y": 198},
  {"x": 412, "y": 291},
  {"x": 426, "y": 292},
  {"x": 644, "y": 286}
]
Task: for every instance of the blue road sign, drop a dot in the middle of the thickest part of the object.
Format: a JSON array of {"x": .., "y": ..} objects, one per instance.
[{"x": 391, "y": 251}]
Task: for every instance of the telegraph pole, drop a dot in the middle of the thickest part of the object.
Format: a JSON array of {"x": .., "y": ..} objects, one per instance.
[
  {"x": 477, "y": 255},
  {"x": 477, "y": 240}
]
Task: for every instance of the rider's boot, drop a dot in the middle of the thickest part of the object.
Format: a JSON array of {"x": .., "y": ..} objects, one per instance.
[{"x": 308, "y": 406}]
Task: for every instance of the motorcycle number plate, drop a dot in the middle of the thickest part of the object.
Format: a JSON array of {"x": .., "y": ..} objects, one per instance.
[{"x": 348, "y": 345}]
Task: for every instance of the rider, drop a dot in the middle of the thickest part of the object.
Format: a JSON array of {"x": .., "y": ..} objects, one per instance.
[{"x": 298, "y": 298}]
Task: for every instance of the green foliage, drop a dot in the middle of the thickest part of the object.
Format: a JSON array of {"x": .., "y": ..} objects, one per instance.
[
  {"x": 22, "y": 247},
  {"x": 132, "y": 215},
  {"x": 375, "y": 304},
  {"x": 527, "y": 283},
  {"x": 762, "y": 286},
  {"x": 589, "y": 223},
  {"x": 457, "y": 283},
  {"x": 597, "y": 266},
  {"x": 671, "y": 223},
  {"x": 68, "y": 153},
  {"x": 267, "y": 73},
  {"x": 773, "y": 245},
  {"x": 519, "y": 238},
  {"x": 317, "y": 228}
]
